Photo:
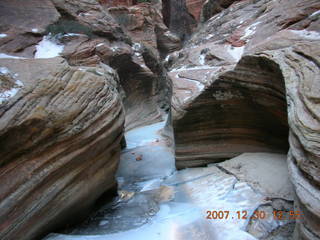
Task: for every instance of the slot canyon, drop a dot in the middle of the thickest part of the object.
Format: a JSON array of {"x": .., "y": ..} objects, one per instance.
[{"x": 159, "y": 119}]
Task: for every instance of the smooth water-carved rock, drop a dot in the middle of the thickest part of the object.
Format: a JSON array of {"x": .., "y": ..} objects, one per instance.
[
  {"x": 300, "y": 65},
  {"x": 60, "y": 132},
  {"x": 243, "y": 110},
  {"x": 237, "y": 80}
]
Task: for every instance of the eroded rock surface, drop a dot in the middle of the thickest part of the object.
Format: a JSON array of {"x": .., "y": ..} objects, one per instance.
[
  {"x": 194, "y": 7},
  {"x": 21, "y": 25},
  {"x": 178, "y": 19},
  {"x": 253, "y": 47},
  {"x": 60, "y": 132}
]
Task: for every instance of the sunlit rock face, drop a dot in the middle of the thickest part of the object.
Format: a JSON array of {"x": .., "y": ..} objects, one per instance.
[
  {"x": 236, "y": 82},
  {"x": 60, "y": 132}
]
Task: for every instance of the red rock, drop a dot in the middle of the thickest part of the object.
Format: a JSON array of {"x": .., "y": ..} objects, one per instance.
[
  {"x": 195, "y": 7},
  {"x": 60, "y": 144}
]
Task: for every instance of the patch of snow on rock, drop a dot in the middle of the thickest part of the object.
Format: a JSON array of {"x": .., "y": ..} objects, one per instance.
[
  {"x": 312, "y": 35},
  {"x": 7, "y": 94},
  {"x": 3, "y": 55},
  {"x": 3, "y": 35},
  {"x": 235, "y": 52},
  {"x": 35, "y": 30},
  {"x": 48, "y": 48},
  {"x": 250, "y": 30},
  {"x": 315, "y": 13},
  {"x": 100, "y": 44}
]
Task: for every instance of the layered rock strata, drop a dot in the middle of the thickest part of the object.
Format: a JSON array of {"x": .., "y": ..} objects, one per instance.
[
  {"x": 60, "y": 132},
  {"x": 238, "y": 79}
]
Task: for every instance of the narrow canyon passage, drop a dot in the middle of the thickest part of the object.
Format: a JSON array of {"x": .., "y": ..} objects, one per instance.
[
  {"x": 160, "y": 203},
  {"x": 159, "y": 119}
]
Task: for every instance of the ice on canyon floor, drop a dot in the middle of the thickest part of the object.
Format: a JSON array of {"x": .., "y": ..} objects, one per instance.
[
  {"x": 143, "y": 135},
  {"x": 48, "y": 48},
  {"x": 156, "y": 202},
  {"x": 147, "y": 155}
]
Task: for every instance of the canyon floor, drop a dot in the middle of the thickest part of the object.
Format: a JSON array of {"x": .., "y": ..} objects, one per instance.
[{"x": 157, "y": 202}]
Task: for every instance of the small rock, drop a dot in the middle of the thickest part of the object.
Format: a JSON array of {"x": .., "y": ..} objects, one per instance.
[{"x": 139, "y": 158}]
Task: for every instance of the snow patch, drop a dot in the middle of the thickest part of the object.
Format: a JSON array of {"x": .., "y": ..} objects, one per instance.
[
  {"x": 6, "y": 95},
  {"x": 35, "y": 30},
  {"x": 3, "y": 35},
  {"x": 114, "y": 49},
  {"x": 199, "y": 85},
  {"x": 71, "y": 34},
  {"x": 100, "y": 44},
  {"x": 202, "y": 59},
  {"x": 3, "y": 55},
  {"x": 48, "y": 48},
  {"x": 312, "y": 35},
  {"x": 4, "y": 70},
  {"x": 315, "y": 13},
  {"x": 185, "y": 68},
  {"x": 235, "y": 52},
  {"x": 250, "y": 30}
]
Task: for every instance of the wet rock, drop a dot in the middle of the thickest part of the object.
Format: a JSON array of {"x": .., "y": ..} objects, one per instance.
[{"x": 60, "y": 134}]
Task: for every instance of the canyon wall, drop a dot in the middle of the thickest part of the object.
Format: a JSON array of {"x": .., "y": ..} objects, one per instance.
[
  {"x": 248, "y": 71},
  {"x": 60, "y": 143}
]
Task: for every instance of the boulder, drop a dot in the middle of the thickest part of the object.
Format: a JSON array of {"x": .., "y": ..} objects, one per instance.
[{"x": 60, "y": 133}]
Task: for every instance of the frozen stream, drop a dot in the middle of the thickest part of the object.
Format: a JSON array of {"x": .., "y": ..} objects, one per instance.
[{"x": 156, "y": 202}]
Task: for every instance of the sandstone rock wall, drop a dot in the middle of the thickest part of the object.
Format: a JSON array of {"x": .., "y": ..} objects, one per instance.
[
  {"x": 59, "y": 143},
  {"x": 178, "y": 19},
  {"x": 194, "y": 7},
  {"x": 263, "y": 56}
]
